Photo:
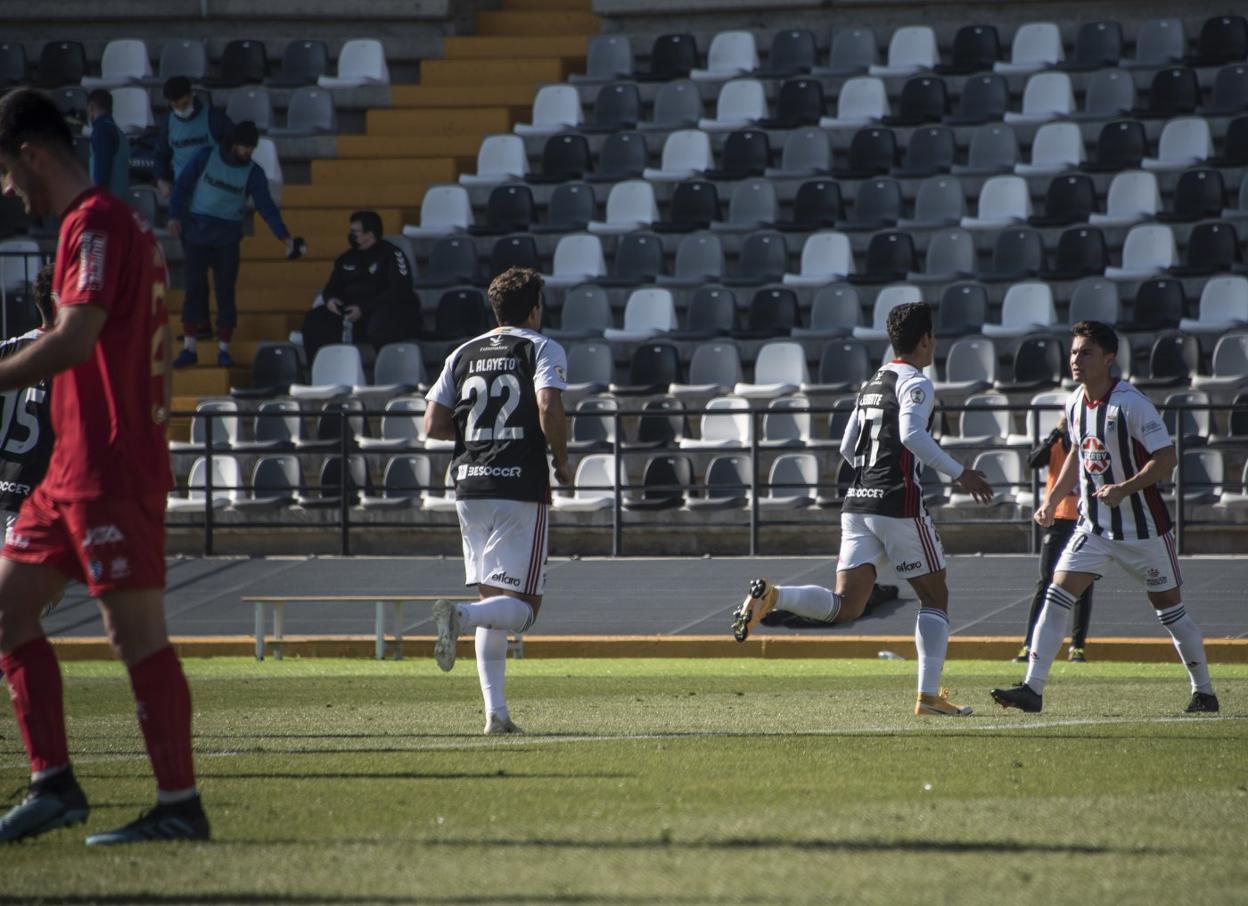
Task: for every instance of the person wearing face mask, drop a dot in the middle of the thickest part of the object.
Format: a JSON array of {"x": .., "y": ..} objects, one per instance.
[
  {"x": 206, "y": 211},
  {"x": 369, "y": 296},
  {"x": 110, "y": 150},
  {"x": 188, "y": 128}
]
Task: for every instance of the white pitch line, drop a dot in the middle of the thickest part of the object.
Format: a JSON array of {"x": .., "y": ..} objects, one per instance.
[{"x": 950, "y": 726}]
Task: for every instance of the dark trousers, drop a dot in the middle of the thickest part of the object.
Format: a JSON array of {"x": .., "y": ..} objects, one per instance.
[
  {"x": 383, "y": 324},
  {"x": 1055, "y": 538},
  {"x": 223, "y": 261}
]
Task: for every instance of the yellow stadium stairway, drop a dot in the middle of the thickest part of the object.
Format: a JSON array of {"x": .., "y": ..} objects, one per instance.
[{"x": 483, "y": 84}]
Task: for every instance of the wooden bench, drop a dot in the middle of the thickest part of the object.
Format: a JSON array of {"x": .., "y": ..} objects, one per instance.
[{"x": 277, "y": 604}]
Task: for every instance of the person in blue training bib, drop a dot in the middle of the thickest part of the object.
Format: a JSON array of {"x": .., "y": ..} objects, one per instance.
[
  {"x": 206, "y": 211},
  {"x": 188, "y": 128}
]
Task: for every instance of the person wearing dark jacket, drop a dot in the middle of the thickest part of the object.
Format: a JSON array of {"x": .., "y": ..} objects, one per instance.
[
  {"x": 207, "y": 208},
  {"x": 110, "y": 149},
  {"x": 369, "y": 296},
  {"x": 188, "y": 128}
]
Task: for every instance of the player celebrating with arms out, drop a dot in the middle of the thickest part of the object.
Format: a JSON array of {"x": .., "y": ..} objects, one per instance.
[
  {"x": 98, "y": 515},
  {"x": 499, "y": 397},
  {"x": 1120, "y": 450},
  {"x": 888, "y": 441}
]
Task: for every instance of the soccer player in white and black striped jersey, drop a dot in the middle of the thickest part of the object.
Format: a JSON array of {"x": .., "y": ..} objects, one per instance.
[
  {"x": 888, "y": 440},
  {"x": 1120, "y": 450}
]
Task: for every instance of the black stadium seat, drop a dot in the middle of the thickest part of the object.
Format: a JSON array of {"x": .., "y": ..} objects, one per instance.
[
  {"x": 622, "y": 156},
  {"x": 1172, "y": 361},
  {"x": 243, "y": 62},
  {"x": 513, "y": 251},
  {"x": 694, "y": 206},
  {"x": 930, "y": 151},
  {"x": 1159, "y": 305},
  {"x": 303, "y": 62},
  {"x": 13, "y": 64},
  {"x": 452, "y": 260},
  {"x": 1223, "y": 39},
  {"x": 570, "y": 209},
  {"x": 890, "y": 257},
  {"x": 664, "y": 483},
  {"x": 793, "y": 52},
  {"x": 638, "y": 259},
  {"x": 1081, "y": 252},
  {"x": 799, "y": 103},
  {"x": 653, "y": 368},
  {"x": 1212, "y": 248},
  {"x": 565, "y": 157},
  {"x": 1097, "y": 45},
  {"x": 1070, "y": 198},
  {"x": 672, "y": 56},
  {"x": 975, "y": 49},
  {"x": 772, "y": 313},
  {"x": 746, "y": 153},
  {"x": 61, "y": 63},
  {"x": 461, "y": 314},
  {"x": 924, "y": 99},
  {"x": 1121, "y": 145},
  {"x": 1200, "y": 193},
  {"x": 1173, "y": 92},
  {"x": 617, "y": 106},
  {"x": 872, "y": 152},
  {"x": 510, "y": 209},
  {"x": 816, "y": 206},
  {"x": 274, "y": 368}
]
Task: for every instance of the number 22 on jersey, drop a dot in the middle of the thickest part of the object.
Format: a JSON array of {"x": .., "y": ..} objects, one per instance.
[{"x": 501, "y": 396}]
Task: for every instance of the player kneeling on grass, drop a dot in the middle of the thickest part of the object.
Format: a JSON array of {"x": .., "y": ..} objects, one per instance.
[
  {"x": 1120, "y": 449},
  {"x": 888, "y": 441},
  {"x": 98, "y": 515},
  {"x": 499, "y": 397}
]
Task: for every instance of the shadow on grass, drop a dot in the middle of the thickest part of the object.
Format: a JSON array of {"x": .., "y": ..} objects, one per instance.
[
  {"x": 218, "y": 899},
  {"x": 761, "y": 844},
  {"x": 407, "y": 775}
]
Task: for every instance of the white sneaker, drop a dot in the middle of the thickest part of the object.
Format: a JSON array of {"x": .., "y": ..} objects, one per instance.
[
  {"x": 446, "y": 619},
  {"x": 497, "y": 725}
]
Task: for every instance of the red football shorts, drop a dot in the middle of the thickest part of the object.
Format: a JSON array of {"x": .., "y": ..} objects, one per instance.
[{"x": 110, "y": 544}]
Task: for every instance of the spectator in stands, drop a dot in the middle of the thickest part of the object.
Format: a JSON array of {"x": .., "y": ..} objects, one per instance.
[
  {"x": 1052, "y": 453},
  {"x": 209, "y": 200},
  {"x": 369, "y": 296},
  {"x": 110, "y": 150},
  {"x": 188, "y": 128}
]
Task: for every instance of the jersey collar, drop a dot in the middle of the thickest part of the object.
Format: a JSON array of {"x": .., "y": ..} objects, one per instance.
[{"x": 1092, "y": 404}]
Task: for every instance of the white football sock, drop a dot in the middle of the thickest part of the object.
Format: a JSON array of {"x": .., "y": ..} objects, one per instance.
[
  {"x": 498, "y": 612},
  {"x": 813, "y": 601},
  {"x": 190, "y": 343},
  {"x": 931, "y": 639},
  {"x": 491, "y": 669},
  {"x": 1191, "y": 647},
  {"x": 223, "y": 345},
  {"x": 1046, "y": 638}
]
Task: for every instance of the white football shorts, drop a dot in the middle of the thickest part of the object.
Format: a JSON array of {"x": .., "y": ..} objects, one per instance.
[
  {"x": 910, "y": 545},
  {"x": 1153, "y": 562},
  {"x": 504, "y": 544}
]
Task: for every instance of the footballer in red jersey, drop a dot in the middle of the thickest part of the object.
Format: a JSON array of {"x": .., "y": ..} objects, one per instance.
[{"x": 98, "y": 515}]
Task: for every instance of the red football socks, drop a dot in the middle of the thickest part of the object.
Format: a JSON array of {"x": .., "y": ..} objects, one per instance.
[
  {"x": 164, "y": 708},
  {"x": 34, "y": 679}
]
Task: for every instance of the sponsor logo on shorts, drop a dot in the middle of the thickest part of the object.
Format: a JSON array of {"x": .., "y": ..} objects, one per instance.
[
  {"x": 14, "y": 487},
  {"x": 21, "y": 542},
  {"x": 908, "y": 566},
  {"x": 872, "y": 493},
  {"x": 470, "y": 471},
  {"x": 1094, "y": 455},
  {"x": 1154, "y": 577},
  {"x": 501, "y": 576},
  {"x": 120, "y": 568},
  {"x": 102, "y": 534}
]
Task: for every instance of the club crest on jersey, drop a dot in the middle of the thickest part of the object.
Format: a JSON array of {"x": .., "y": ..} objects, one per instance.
[
  {"x": 496, "y": 340},
  {"x": 917, "y": 396},
  {"x": 1095, "y": 456}
]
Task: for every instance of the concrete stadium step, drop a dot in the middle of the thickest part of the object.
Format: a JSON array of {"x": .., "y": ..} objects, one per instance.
[
  {"x": 541, "y": 22},
  {"x": 353, "y": 198},
  {"x": 282, "y": 277},
  {"x": 520, "y": 5},
  {"x": 493, "y": 71},
  {"x": 332, "y": 220},
  {"x": 491, "y": 47},
  {"x": 409, "y": 122},
  {"x": 205, "y": 380},
  {"x": 354, "y": 148},
  {"x": 321, "y": 246},
  {"x": 459, "y": 97},
  {"x": 257, "y": 327},
  {"x": 330, "y": 173}
]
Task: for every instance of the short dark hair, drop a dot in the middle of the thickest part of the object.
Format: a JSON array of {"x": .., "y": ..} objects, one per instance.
[
  {"x": 27, "y": 116},
  {"x": 43, "y": 294},
  {"x": 369, "y": 220},
  {"x": 1099, "y": 333},
  {"x": 101, "y": 98},
  {"x": 514, "y": 293},
  {"x": 907, "y": 324},
  {"x": 244, "y": 133},
  {"x": 176, "y": 88}
]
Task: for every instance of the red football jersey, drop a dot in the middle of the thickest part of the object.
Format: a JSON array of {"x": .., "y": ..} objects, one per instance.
[{"x": 109, "y": 413}]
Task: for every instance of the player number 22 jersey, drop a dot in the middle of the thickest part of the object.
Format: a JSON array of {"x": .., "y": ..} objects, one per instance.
[{"x": 491, "y": 384}]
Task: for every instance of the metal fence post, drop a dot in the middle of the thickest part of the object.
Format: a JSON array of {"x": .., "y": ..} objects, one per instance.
[
  {"x": 617, "y": 528},
  {"x": 1033, "y": 539},
  {"x": 345, "y": 486},
  {"x": 208, "y": 510},
  {"x": 753, "y": 482}
]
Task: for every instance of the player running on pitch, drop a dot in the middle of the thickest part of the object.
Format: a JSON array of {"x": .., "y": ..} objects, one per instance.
[
  {"x": 888, "y": 440},
  {"x": 499, "y": 397},
  {"x": 98, "y": 515},
  {"x": 1120, "y": 450}
]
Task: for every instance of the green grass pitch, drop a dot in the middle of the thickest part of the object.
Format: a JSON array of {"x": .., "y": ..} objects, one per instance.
[{"x": 660, "y": 781}]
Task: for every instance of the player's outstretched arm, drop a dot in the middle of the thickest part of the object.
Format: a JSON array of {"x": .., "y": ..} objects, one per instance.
[
  {"x": 439, "y": 422},
  {"x": 66, "y": 345},
  {"x": 555, "y": 426}
]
